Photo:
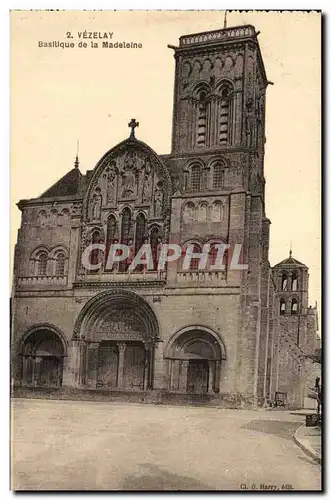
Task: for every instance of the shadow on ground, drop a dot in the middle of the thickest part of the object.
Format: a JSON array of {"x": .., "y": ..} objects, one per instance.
[
  {"x": 281, "y": 429},
  {"x": 154, "y": 478}
]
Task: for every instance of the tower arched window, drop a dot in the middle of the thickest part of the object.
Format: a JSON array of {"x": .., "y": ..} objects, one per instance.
[
  {"x": 282, "y": 306},
  {"x": 196, "y": 178},
  {"x": 294, "y": 306},
  {"x": 194, "y": 262},
  {"x": 42, "y": 264},
  {"x": 60, "y": 264},
  {"x": 284, "y": 282},
  {"x": 218, "y": 176},
  {"x": 294, "y": 282},
  {"x": 202, "y": 119},
  {"x": 213, "y": 257},
  {"x": 224, "y": 116}
]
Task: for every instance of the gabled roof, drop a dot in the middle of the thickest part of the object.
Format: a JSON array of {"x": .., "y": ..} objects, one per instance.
[
  {"x": 290, "y": 262},
  {"x": 68, "y": 185}
]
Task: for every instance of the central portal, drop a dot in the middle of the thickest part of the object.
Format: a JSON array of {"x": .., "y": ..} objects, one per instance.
[
  {"x": 120, "y": 332},
  {"x": 197, "y": 376},
  {"x": 122, "y": 365}
]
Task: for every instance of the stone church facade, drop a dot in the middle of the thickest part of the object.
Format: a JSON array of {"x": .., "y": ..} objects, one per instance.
[{"x": 233, "y": 335}]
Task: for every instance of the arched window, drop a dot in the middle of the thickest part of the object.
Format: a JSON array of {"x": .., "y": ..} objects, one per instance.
[
  {"x": 42, "y": 264},
  {"x": 42, "y": 218},
  {"x": 284, "y": 282},
  {"x": 126, "y": 226},
  {"x": 140, "y": 231},
  {"x": 194, "y": 263},
  {"x": 213, "y": 254},
  {"x": 64, "y": 217},
  {"x": 53, "y": 217},
  {"x": 96, "y": 238},
  {"x": 202, "y": 119},
  {"x": 125, "y": 235},
  {"x": 294, "y": 282},
  {"x": 217, "y": 211},
  {"x": 155, "y": 241},
  {"x": 224, "y": 116},
  {"x": 196, "y": 178},
  {"x": 202, "y": 212},
  {"x": 282, "y": 306},
  {"x": 218, "y": 176},
  {"x": 60, "y": 264},
  {"x": 111, "y": 232},
  {"x": 189, "y": 212},
  {"x": 294, "y": 306}
]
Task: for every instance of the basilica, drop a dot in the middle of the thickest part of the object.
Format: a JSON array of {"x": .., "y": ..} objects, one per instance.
[{"x": 232, "y": 336}]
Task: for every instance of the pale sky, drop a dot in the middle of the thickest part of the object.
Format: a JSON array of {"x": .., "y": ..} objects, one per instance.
[{"x": 61, "y": 95}]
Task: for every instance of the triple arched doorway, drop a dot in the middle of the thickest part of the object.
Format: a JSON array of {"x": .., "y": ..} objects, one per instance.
[
  {"x": 42, "y": 353},
  {"x": 195, "y": 355}
]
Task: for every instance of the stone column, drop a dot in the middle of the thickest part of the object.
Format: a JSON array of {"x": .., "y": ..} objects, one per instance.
[
  {"x": 36, "y": 374},
  {"x": 72, "y": 365},
  {"x": 183, "y": 376},
  {"x": 25, "y": 365},
  {"x": 217, "y": 376},
  {"x": 146, "y": 367},
  {"x": 158, "y": 366},
  {"x": 92, "y": 364},
  {"x": 211, "y": 377},
  {"x": 120, "y": 367}
]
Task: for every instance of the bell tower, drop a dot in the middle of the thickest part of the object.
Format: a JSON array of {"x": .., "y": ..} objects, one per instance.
[{"x": 219, "y": 95}]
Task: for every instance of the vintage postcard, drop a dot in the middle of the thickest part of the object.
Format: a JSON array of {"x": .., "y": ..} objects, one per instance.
[{"x": 166, "y": 204}]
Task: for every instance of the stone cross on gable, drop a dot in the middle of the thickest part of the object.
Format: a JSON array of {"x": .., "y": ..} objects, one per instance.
[{"x": 133, "y": 124}]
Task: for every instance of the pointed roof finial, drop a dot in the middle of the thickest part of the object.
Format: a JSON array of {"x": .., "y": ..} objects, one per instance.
[
  {"x": 76, "y": 163},
  {"x": 225, "y": 23},
  {"x": 290, "y": 248}
]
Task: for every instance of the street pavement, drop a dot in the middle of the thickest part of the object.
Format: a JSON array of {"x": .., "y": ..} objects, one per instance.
[{"x": 72, "y": 445}]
